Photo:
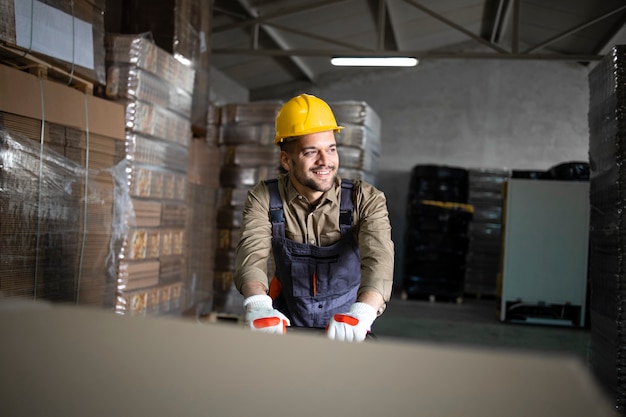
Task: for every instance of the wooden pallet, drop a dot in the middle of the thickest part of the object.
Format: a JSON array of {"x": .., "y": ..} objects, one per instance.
[
  {"x": 215, "y": 317},
  {"x": 22, "y": 60}
]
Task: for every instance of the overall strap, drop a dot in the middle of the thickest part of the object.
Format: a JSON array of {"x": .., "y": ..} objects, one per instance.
[
  {"x": 346, "y": 206},
  {"x": 277, "y": 215}
]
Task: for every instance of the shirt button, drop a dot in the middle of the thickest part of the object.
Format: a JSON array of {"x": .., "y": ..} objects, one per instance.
[
  {"x": 312, "y": 241},
  {"x": 299, "y": 197},
  {"x": 320, "y": 306}
]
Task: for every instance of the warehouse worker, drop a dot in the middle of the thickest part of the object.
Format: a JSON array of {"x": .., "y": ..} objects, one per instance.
[{"x": 331, "y": 238}]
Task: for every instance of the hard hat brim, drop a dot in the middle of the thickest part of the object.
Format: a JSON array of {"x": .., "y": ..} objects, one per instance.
[{"x": 279, "y": 139}]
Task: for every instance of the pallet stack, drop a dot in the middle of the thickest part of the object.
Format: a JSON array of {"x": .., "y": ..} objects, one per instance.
[
  {"x": 248, "y": 155},
  {"x": 607, "y": 251},
  {"x": 358, "y": 144},
  {"x": 56, "y": 189},
  {"x": 56, "y": 216},
  {"x": 64, "y": 37},
  {"x": 484, "y": 231},
  {"x": 436, "y": 237},
  {"x": 149, "y": 256}
]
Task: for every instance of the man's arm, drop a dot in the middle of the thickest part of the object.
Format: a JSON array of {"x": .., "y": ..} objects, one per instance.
[
  {"x": 254, "y": 246},
  {"x": 253, "y": 288},
  {"x": 372, "y": 298},
  {"x": 375, "y": 247}
]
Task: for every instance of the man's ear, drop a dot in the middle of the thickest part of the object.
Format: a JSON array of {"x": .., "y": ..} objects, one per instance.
[{"x": 284, "y": 160}]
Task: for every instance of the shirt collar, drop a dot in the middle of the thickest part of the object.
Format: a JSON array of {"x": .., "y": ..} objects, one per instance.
[{"x": 331, "y": 195}]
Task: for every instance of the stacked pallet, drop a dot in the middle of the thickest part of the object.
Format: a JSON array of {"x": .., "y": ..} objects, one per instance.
[
  {"x": 436, "y": 237},
  {"x": 485, "y": 231},
  {"x": 358, "y": 144},
  {"x": 248, "y": 156},
  {"x": 203, "y": 188},
  {"x": 56, "y": 192},
  {"x": 149, "y": 256},
  {"x": 607, "y": 233}
]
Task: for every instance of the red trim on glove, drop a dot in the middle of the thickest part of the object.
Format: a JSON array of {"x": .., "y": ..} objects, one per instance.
[
  {"x": 342, "y": 318},
  {"x": 266, "y": 322}
]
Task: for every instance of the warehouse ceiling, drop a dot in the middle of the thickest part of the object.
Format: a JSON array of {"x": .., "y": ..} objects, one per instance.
[{"x": 266, "y": 45}]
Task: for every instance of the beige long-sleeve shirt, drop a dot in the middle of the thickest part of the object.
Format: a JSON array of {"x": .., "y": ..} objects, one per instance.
[{"x": 319, "y": 226}]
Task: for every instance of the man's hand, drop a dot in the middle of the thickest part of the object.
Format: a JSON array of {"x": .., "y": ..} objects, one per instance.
[
  {"x": 354, "y": 325},
  {"x": 261, "y": 316}
]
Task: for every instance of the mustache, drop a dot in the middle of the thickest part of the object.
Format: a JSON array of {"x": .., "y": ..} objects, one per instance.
[{"x": 317, "y": 168}]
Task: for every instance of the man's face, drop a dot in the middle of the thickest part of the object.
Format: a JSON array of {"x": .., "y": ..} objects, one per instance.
[{"x": 312, "y": 162}]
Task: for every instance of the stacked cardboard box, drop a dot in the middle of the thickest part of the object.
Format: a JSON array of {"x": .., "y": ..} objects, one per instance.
[
  {"x": 248, "y": 156},
  {"x": 67, "y": 34},
  {"x": 151, "y": 193},
  {"x": 203, "y": 188},
  {"x": 607, "y": 251},
  {"x": 59, "y": 151},
  {"x": 182, "y": 28},
  {"x": 358, "y": 143},
  {"x": 485, "y": 231}
]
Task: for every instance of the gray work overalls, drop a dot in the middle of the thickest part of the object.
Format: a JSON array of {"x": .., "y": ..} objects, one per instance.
[{"x": 317, "y": 281}]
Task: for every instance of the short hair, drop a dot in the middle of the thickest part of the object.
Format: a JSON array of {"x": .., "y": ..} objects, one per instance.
[{"x": 284, "y": 143}]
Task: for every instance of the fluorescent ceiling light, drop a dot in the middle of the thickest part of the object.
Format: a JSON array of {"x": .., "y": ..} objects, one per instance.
[{"x": 386, "y": 61}]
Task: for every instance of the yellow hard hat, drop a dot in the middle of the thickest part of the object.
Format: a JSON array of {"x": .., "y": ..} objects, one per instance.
[{"x": 302, "y": 115}]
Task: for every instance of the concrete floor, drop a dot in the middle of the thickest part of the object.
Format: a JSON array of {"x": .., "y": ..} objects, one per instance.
[{"x": 475, "y": 323}]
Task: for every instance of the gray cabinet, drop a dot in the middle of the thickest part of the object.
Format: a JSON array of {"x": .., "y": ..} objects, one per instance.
[{"x": 545, "y": 252}]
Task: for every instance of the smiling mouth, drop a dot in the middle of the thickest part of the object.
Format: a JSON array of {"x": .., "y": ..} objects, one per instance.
[{"x": 324, "y": 171}]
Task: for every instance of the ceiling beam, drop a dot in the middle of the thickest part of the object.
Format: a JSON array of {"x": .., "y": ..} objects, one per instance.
[
  {"x": 318, "y": 37},
  {"x": 416, "y": 54},
  {"x": 285, "y": 12},
  {"x": 515, "y": 35},
  {"x": 617, "y": 37},
  {"x": 280, "y": 41},
  {"x": 573, "y": 30},
  {"x": 456, "y": 26},
  {"x": 498, "y": 22},
  {"x": 382, "y": 12}
]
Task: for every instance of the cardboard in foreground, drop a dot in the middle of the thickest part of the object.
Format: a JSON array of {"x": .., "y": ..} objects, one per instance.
[{"x": 76, "y": 361}]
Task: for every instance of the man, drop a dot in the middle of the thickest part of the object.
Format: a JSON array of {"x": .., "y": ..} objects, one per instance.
[{"x": 331, "y": 238}]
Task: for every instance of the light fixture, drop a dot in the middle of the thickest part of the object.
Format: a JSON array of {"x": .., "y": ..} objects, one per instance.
[{"x": 382, "y": 61}]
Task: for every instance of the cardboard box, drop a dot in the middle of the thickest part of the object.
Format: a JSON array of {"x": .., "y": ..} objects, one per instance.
[
  {"x": 59, "y": 258},
  {"x": 73, "y": 361},
  {"x": 67, "y": 35},
  {"x": 21, "y": 93}
]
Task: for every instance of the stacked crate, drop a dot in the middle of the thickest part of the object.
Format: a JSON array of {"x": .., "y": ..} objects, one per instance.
[
  {"x": 149, "y": 256},
  {"x": 485, "y": 231},
  {"x": 358, "y": 143},
  {"x": 607, "y": 239},
  {"x": 436, "y": 236},
  {"x": 203, "y": 188},
  {"x": 248, "y": 156}
]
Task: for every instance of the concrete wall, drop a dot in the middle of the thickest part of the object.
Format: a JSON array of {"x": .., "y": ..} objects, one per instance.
[{"x": 470, "y": 114}]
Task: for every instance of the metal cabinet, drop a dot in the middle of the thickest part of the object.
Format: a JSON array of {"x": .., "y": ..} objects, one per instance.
[{"x": 543, "y": 277}]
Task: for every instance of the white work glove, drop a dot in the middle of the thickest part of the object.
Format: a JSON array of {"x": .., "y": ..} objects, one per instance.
[
  {"x": 261, "y": 316},
  {"x": 354, "y": 325}
]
